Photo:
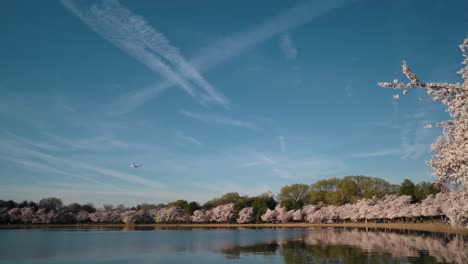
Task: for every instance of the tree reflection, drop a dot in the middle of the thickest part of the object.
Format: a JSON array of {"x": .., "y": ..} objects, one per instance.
[
  {"x": 300, "y": 252},
  {"x": 359, "y": 246},
  {"x": 267, "y": 249}
]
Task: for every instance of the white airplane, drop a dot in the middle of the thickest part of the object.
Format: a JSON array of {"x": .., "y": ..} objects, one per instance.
[{"x": 134, "y": 165}]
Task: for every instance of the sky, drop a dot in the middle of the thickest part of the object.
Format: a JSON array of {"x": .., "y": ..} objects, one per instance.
[{"x": 215, "y": 96}]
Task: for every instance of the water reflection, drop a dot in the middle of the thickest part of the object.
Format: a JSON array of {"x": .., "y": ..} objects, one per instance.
[
  {"x": 302, "y": 245},
  {"x": 364, "y": 246}
]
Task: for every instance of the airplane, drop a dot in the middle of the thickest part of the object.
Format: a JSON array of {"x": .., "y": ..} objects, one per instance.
[{"x": 135, "y": 165}]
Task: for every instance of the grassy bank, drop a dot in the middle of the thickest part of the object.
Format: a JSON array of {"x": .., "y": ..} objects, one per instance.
[{"x": 429, "y": 227}]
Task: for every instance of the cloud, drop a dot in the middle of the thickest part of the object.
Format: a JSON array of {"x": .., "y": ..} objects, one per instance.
[
  {"x": 295, "y": 167},
  {"x": 282, "y": 143},
  {"x": 190, "y": 139},
  {"x": 414, "y": 138},
  {"x": 283, "y": 173},
  {"x": 98, "y": 143},
  {"x": 260, "y": 159},
  {"x": 42, "y": 167},
  {"x": 44, "y": 146},
  {"x": 217, "y": 119},
  {"x": 288, "y": 48},
  {"x": 235, "y": 44},
  {"x": 380, "y": 153},
  {"x": 19, "y": 150},
  {"x": 349, "y": 90},
  {"x": 133, "y": 35}
]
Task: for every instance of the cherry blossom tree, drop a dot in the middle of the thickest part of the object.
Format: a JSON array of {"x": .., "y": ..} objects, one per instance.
[
  {"x": 223, "y": 213},
  {"x": 297, "y": 215},
  {"x": 14, "y": 215},
  {"x": 201, "y": 216},
  {"x": 284, "y": 216},
  {"x": 27, "y": 215},
  {"x": 449, "y": 161},
  {"x": 40, "y": 217},
  {"x": 309, "y": 210},
  {"x": 269, "y": 216},
  {"x": 279, "y": 214},
  {"x": 104, "y": 216},
  {"x": 136, "y": 217},
  {"x": 171, "y": 214},
  {"x": 456, "y": 208},
  {"x": 52, "y": 217},
  {"x": 246, "y": 215},
  {"x": 83, "y": 217}
]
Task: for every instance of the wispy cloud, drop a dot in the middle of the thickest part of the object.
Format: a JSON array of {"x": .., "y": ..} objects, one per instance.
[
  {"x": 282, "y": 143},
  {"x": 98, "y": 143},
  {"x": 283, "y": 173},
  {"x": 133, "y": 35},
  {"x": 260, "y": 159},
  {"x": 40, "y": 145},
  {"x": 187, "y": 138},
  {"x": 297, "y": 167},
  {"x": 288, "y": 48},
  {"x": 235, "y": 44},
  {"x": 217, "y": 119},
  {"x": 25, "y": 153},
  {"x": 45, "y": 168},
  {"x": 349, "y": 90},
  {"x": 379, "y": 153},
  {"x": 414, "y": 138}
]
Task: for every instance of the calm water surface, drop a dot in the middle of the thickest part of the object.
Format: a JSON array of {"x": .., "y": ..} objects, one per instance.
[{"x": 302, "y": 245}]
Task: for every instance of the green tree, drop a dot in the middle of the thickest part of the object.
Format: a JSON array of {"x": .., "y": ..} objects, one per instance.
[
  {"x": 26, "y": 203},
  {"x": 407, "y": 187},
  {"x": 192, "y": 207},
  {"x": 230, "y": 197},
  {"x": 183, "y": 204},
  {"x": 89, "y": 207},
  {"x": 371, "y": 186},
  {"x": 51, "y": 203},
  {"x": 261, "y": 203},
  {"x": 8, "y": 204},
  {"x": 243, "y": 202},
  {"x": 348, "y": 189},
  {"x": 424, "y": 189},
  {"x": 294, "y": 196},
  {"x": 324, "y": 191},
  {"x": 74, "y": 208}
]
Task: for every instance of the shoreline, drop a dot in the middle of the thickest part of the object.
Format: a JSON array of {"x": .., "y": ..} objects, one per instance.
[{"x": 428, "y": 227}]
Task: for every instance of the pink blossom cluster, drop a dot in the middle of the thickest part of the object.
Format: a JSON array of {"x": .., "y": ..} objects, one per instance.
[
  {"x": 280, "y": 215},
  {"x": 449, "y": 162},
  {"x": 219, "y": 214},
  {"x": 452, "y": 206},
  {"x": 246, "y": 215}
]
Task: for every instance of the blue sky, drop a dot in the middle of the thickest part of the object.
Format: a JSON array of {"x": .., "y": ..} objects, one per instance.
[{"x": 215, "y": 96}]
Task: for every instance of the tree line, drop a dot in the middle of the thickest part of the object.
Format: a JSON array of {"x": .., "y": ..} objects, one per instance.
[{"x": 324, "y": 201}]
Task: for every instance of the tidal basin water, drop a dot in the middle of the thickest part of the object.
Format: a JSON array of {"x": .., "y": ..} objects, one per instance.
[{"x": 275, "y": 245}]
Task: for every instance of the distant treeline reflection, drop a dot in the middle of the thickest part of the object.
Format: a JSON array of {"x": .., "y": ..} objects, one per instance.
[{"x": 326, "y": 245}]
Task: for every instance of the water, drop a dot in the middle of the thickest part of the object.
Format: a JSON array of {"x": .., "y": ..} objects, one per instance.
[{"x": 301, "y": 245}]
